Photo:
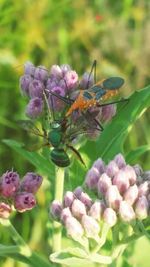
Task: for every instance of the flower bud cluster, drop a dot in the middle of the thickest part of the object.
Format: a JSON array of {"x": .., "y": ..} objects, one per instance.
[
  {"x": 17, "y": 193},
  {"x": 122, "y": 192},
  {"x": 56, "y": 83}
]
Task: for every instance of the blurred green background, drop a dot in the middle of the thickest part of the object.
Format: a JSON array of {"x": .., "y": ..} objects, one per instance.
[{"x": 115, "y": 33}]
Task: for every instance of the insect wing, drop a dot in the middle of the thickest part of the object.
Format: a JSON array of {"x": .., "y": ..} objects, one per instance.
[
  {"x": 113, "y": 83},
  {"x": 29, "y": 126}
]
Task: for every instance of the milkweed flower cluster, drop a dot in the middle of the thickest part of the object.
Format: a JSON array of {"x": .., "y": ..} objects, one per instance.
[
  {"x": 60, "y": 86},
  {"x": 16, "y": 193},
  {"x": 120, "y": 192}
]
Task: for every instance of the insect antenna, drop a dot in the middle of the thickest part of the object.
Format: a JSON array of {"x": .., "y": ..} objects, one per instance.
[
  {"x": 113, "y": 102},
  {"x": 92, "y": 68}
]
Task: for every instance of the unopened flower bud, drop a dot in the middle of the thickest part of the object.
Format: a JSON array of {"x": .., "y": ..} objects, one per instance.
[
  {"x": 86, "y": 200},
  {"x": 77, "y": 192},
  {"x": 65, "y": 214},
  {"x": 110, "y": 217},
  {"x": 144, "y": 188},
  {"x": 121, "y": 181},
  {"x": 131, "y": 194},
  {"x": 141, "y": 208},
  {"x": 119, "y": 159},
  {"x": 9, "y": 184},
  {"x": 99, "y": 165},
  {"x": 56, "y": 209},
  {"x": 112, "y": 169},
  {"x": 68, "y": 199},
  {"x": 54, "y": 102},
  {"x": 113, "y": 197},
  {"x": 91, "y": 227},
  {"x": 25, "y": 82},
  {"x": 56, "y": 72},
  {"x": 87, "y": 81},
  {"x": 103, "y": 184},
  {"x": 31, "y": 182},
  {"x": 74, "y": 228},
  {"x": 65, "y": 68},
  {"x": 92, "y": 178},
  {"x": 29, "y": 68},
  {"x": 34, "y": 108},
  {"x": 24, "y": 201},
  {"x": 130, "y": 174},
  {"x": 41, "y": 73},
  {"x": 126, "y": 212},
  {"x": 71, "y": 79},
  {"x": 97, "y": 209},
  {"x": 5, "y": 210},
  {"x": 36, "y": 89},
  {"x": 138, "y": 170},
  {"x": 78, "y": 209},
  {"x": 108, "y": 112}
]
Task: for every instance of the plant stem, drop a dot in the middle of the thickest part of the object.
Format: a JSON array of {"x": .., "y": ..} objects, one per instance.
[{"x": 59, "y": 189}]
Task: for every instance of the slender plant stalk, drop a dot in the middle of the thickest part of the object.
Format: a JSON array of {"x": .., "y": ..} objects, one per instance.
[{"x": 59, "y": 189}]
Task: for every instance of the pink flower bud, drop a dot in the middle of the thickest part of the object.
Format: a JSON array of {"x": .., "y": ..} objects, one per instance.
[
  {"x": 56, "y": 71},
  {"x": 112, "y": 169},
  {"x": 77, "y": 192},
  {"x": 5, "y": 210},
  {"x": 130, "y": 174},
  {"x": 113, "y": 197},
  {"x": 121, "y": 181},
  {"x": 9, "y": 184},
  {"x": 86, "y": 200},
  {"x": 110, "y": 217},
  {"x": 92, "y": 178},
  {"x": 97, "y": 209},
  {"x": 126, "y": 212},
  {"x": 31, "y": 182},
  {"x": 99, "y": 165},
  {"x": 108, "y": 112},
  {"x": 56, "y": 209},
  {"x": 144, "y": 188},
  {"x": 131, "y": 194},
  {"x": 78, "y": 209},
  {"x": 71, "y": 78},
  {"x": 120, "y": 161},
  {"x": 24, "y": 201},
  {"x": 68, "y": 199},
  {"x": 65, "y": 214},
  {"x": 91, "y": 227},
  {"x": 74, "y": 228},
  {"x": 103, "y": 184},
  {"x": 141, "y": 208}
]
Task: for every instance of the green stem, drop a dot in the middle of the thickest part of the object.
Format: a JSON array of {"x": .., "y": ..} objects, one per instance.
[{"x": 59, "y": 189}]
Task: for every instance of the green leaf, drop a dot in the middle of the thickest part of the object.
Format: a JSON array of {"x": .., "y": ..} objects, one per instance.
[
  {"x": 112, "y": 138},
  {"x": 40, "y": 162},
  {"x": 134, "y": 154}
]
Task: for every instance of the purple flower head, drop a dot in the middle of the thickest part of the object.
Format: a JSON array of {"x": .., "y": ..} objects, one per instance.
[
  {"x": 110, "y": 217},
  {"x": 65, "y": 68},
  {"x": 71, "y": 79},
  {"x": 121, "y": 181},
  {"x": 108, "y": 112},
  {"x": 54, "y": 101},
  {"x": 29, "y": 68},
  {"x": 31, "y": 182},
  {"x": 91, "y": 227},
  {"x": 97, "y": 209},
  {"x": 34, "y": 108},
  {"x": 78, "y": 209},
  {"x": 41, "y": 73},
  {"x": 92, "y": 178},
  {"x": 5, "y": 210},
  {"x": 141, "y": 208},
  {"x": 51, "y": 83},
  {"x": 68, "y": 199},
  {"x": 65, "y": 214},
  {"x": 103, "y": 184},
  {"x": 36, "y": 89},
  {"x": 113, "y": 197},
  {"x": 119, "y": 159},
  {"x": 126, "y": 212},
  {"x": 87, "y": 81},
  {"x": 25, "y": 82},
  {"x": 24, "y": 201},
  {"x": 10, "y": 183},
  {"x": 56, "y": 209},
  {"x": 56, "y": 72}
]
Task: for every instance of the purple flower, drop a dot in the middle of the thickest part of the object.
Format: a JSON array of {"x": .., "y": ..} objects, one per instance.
[
  {"x": 29, "y": 68},
  {"x": 5, "y": 210},
  {"x": 68, "y": 199},
  {"x": 25, "y": 82},
  {"x": 97, "y": 209},
  {"x": 34, "y": 108},
  {"x": 36, "y": 89},
  {"x": 110, "y": 217},
  {"x": 112, "y": 169},
  {"x": 121, "y": 181},
  {"x": 54, "y": 101},
  {"x": 130, "y": 174},
  {"x": 85, "y": 199},
  {"x": 56, "y": 72},
  {"x": 77, "y": 192},
  {"x": 65, "y": 68},
  {"x": 99, "y": 165},
  {"x": 103, "y": 184},
  {"x": 87, "y": 80},
  {"x": 9, "y": 184},
  {"x": 56, "y": 209},
  {"x": 120, "y": 161},
  {"x": 31, "y": 182},
  {"x": 65, "y": 214},
  {"x": 24, "y": 201},
  {"x": 78, "y": 209},
  {"x": 71, "y": 79},
  {"x": 108, "y": 112},
  {"x": 126, "y": 212},
  {"x": 92, "y": 178},
  {"x": 113, "y": 197},
  {"x": 41, "y": 73}
]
